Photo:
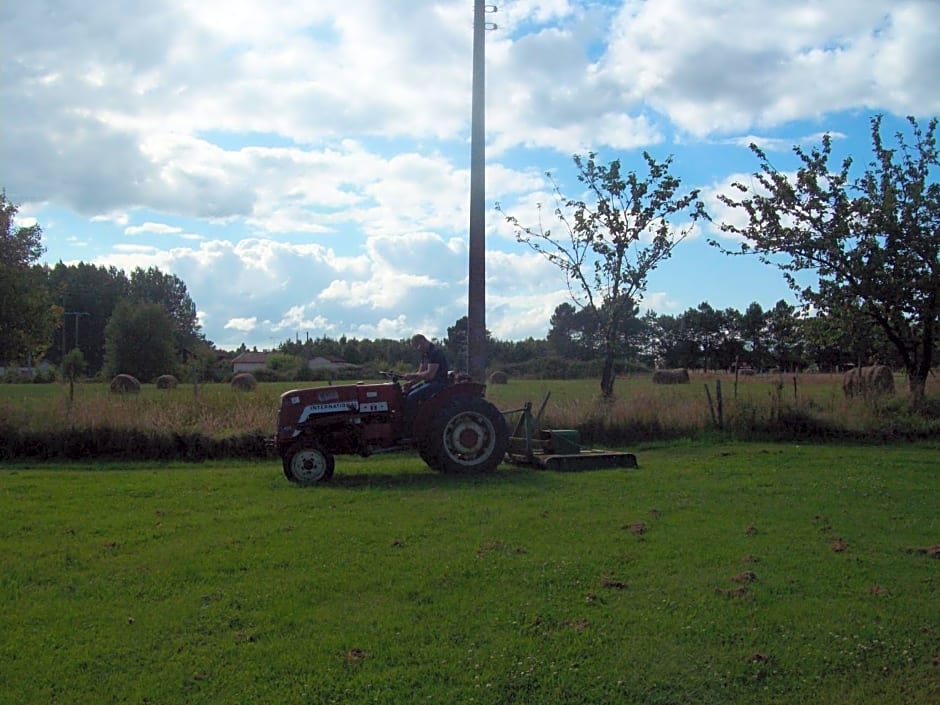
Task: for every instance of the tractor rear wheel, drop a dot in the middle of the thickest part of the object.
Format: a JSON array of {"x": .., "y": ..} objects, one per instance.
[
  {"x": 308, "y": 464},
  {"x": 468, "y": 435}
]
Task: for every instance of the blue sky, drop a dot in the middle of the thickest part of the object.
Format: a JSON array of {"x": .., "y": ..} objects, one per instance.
[{"x": 304, "y": 167}]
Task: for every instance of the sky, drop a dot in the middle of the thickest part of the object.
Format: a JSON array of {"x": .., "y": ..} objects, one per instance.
[{"x": 304, "y": 167}]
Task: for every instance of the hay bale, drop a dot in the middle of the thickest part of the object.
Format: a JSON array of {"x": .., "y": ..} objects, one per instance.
[
  {"x": 166, "y": 382},
  {"x": 872, "y": 380},
  {"x": 498, "y": 377},
  {"x": 125, "y": 384},
  {"x": 244, "y": 381},
  {"x": 680, "y": 376}
]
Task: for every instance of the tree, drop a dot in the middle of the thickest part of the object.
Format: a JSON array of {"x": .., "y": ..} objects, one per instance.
[
  {"x": 139, "y": 341},
  {"x": 784, "y": 336},
  {"x": 21, "y": 246},
  {"x": 871, "y": 242},
  {"x": 706, "y": 325},
  {"x": 88, "y": 293},
  {"x": 73, "y": 365},
  {"x": 573, "y": 333},
  {"x": 457, "y": 346},
  {"x": 285, "y": 364},
  {"x": 754, "y": 335},
  {"x": 169, "y": 291},
  {"x": 611, "y": 241},
  {"x": 27, "y": 315}
]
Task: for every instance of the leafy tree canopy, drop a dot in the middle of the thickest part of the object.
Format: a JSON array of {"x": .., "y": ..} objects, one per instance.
[
  {"x": 871, "y": 241},
  {"x": 27, "y": 316},
  {"x": 19, "y": 246},
  {"x": 139, "y": 341}
]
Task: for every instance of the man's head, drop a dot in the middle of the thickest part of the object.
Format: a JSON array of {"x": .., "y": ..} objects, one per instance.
[{"x": 419, "y": 342}]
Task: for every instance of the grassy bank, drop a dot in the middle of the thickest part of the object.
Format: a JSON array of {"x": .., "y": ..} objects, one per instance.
[{"x": 733, "y": 573}]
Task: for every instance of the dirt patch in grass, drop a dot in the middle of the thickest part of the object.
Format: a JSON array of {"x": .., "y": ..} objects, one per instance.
[
  {"x": 929, "y": 551},
  {"x": 613, "y": 583},
  {"x": 839, "y": 545},
  {"x": 355, "y": 656},
  {"x": 745, "y": 576},
  {"x": 637, "y": 527},
  {"x": 739, "y": 592}
]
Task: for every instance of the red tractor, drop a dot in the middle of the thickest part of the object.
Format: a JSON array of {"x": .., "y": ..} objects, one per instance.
[{"x": 455, "y": 431}]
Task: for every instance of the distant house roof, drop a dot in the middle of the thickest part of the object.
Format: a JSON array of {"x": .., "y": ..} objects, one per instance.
[
  {"x": 250, "y": 361},
  {"x": 331, "y": 361},
  {"x": 251, "y": 358}
]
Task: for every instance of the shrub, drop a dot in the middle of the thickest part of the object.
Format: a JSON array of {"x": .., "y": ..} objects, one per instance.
[{"x": 267, "y": 375}]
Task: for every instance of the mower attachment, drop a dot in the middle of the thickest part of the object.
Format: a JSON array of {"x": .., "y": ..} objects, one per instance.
[{"x": 531, "y": 445}]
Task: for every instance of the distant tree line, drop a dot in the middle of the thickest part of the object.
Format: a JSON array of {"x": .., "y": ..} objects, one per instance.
[
  {"x": 779, "y": 338},
  {"x": 92, "y": 318}
]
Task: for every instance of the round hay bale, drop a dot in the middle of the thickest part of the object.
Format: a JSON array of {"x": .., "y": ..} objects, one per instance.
[
  {"x": 166, "y": 382},
  {"x": 498, "y": 377},
  {"x": 125, "y": 384},
  {"x": 680, "y": 376},
  {"x": 245, "y": 381},
  {"x": 872, "y": 380}
]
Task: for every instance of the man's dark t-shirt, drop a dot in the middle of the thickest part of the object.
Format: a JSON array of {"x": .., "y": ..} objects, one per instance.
[{"x": 433, "y": 356}]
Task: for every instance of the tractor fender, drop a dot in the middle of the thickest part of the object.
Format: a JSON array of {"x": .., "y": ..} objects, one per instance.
[{"x": 429, "y": 408}]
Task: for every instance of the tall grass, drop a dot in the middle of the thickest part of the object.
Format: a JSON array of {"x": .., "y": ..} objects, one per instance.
[
  {"x": 762, "y": 406},
  {"x": 810, "y": 407}
]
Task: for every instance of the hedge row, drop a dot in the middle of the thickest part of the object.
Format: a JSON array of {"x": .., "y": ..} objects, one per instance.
[{"x": 128, "y": 444}]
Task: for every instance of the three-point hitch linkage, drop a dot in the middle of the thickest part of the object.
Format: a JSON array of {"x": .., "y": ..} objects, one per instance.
[{"x": 553, "y": 449}]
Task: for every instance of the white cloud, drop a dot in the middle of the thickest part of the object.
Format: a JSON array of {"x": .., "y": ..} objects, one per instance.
[
  {"x": 155, "y": 228},
  {"x": 311, "y": 159},
  {"x": 243, "y": 325}
]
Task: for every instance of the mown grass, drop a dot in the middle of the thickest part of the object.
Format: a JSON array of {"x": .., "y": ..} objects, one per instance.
[{"x": 731, "y": 573}]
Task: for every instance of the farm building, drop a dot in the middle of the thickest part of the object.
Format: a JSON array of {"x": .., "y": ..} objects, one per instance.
[
  {"x": 250, "y": 361},
  {"x": 329, "y": 362},
  {"x": 253, "y": 361}
]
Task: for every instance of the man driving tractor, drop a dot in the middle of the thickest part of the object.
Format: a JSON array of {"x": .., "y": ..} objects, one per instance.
[{"x": 429, "y": 379}]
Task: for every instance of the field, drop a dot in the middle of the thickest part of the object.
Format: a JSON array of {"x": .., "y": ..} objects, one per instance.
[
  {"x": 715, "y": 573},
  {"x": 763, "y": 407}
]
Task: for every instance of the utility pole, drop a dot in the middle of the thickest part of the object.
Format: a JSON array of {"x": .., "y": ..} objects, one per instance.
[
  {"x": 476, "y": 305},
  {"x": 77, "y": 314}
]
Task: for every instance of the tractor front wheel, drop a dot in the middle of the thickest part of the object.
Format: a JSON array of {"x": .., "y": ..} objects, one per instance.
[
  {"x": 469, "y": 435},
  {"x": 308, "y": 464}
]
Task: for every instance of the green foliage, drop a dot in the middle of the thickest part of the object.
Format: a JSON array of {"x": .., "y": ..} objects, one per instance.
[
  {"x": 139, "y": 341},
  {"x": 20, "y": 246},
  {"x": 723, "y": 574},
  {"x": 168, "y": 290},
  {"x": 286, "y": 366},
  {"x": 74, "y": 365},
  {"x": 89, "y": 294},
  {"x": 27, "y": 316}
]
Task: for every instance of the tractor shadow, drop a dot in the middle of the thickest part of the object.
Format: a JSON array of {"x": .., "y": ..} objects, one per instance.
[{"x": 506, "y": 475}]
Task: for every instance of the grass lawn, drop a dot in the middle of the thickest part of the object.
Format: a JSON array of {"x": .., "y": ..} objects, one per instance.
[{"x": 736, "y": 573}]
